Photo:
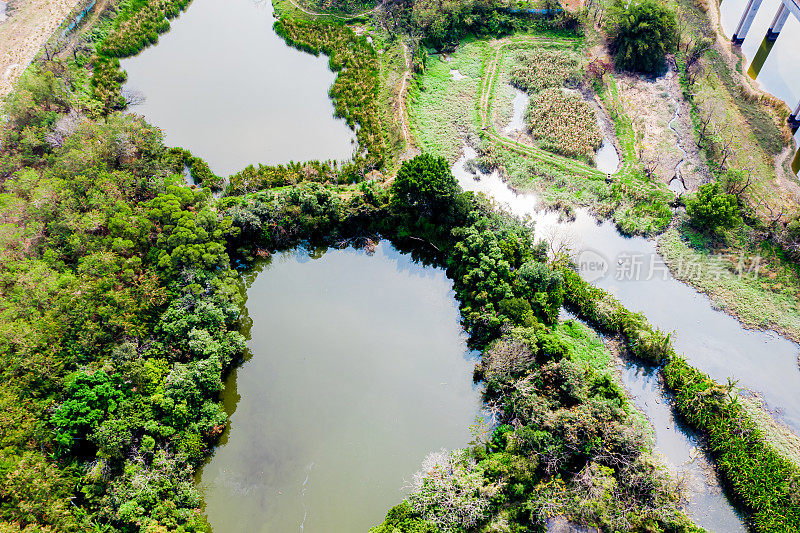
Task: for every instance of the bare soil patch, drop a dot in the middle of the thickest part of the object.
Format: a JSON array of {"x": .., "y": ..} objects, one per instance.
[
  {"x": 652, "y": 103},
  {"x": 27, "y": 28}
]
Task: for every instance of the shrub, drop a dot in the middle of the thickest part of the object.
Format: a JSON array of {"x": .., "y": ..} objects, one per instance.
[
  {"x": 91, "y": 398},
  {"x": 425, "y": 186},
  {"x": 642, "y": 32},
  {"x": 767, "y": 482},
  {"x": 401, "y": 519},
  {"x": 448, "y": 491},
  {"x": 713, "y": 210}
]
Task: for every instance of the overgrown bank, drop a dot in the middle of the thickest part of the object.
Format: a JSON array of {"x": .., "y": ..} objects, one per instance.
[
  {"x": 114, "y": 373},
  {"x": 764, "y": 480},
  {"x": 743, "y": 136}
]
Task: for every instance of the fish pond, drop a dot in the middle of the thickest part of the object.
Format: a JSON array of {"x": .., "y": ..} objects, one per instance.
[{"x": 358, "y": 368}]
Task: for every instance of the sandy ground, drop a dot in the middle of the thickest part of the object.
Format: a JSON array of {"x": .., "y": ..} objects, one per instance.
[
  {"x": 652, "y": 104},
  {"x": 29, "y": 24}
]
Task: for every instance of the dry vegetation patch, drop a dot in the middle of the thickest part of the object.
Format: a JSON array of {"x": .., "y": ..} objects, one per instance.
[
  {"x": 28, "y": 27},
  {"x": 652, "y": 103},
  {"x": 564, "y": 123}
]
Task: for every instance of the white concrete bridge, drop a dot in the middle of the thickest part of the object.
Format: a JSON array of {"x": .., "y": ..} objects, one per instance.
[{"x": 787, "y": 8}]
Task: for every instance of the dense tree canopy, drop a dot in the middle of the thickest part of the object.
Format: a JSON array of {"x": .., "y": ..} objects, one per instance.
[
  {"x": 711, "y": 209},
  {"x": 642, "y": 32},
  {"x": 426, "y": 186}
]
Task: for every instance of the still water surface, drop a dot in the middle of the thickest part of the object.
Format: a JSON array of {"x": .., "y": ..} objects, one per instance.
[
  {"x": 359, "y": 369},
  {"x": 780, "y": 73},
  {"x": 222, "y": 84},
  {"x": 710, "y": 340}
]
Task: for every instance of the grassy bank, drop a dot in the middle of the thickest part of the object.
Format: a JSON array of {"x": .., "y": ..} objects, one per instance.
[
  {"x": 754, "y": 292},
  {"x": 448, "y": 110}
]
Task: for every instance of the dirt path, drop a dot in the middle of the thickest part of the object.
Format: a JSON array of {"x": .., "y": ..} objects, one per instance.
[
  {"x": 27, "y": 28},
  {"x": 86, "y": 25}
]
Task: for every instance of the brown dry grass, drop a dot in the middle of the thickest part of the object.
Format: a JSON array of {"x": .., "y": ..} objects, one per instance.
[
  {"x": 29, "y": 25},
  {"x": 652, "y": 103}
]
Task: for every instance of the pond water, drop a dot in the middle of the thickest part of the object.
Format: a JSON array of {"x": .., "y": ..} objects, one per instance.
[
  {"x": 520, "y": 104},
  {"x": 780, "y": 71},
  {"x": 359, "y": 369},
  {"x": 607, "y": 158},
  {"x": 222, "y": 84}
]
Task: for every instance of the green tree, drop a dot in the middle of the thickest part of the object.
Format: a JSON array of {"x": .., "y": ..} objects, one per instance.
[
  {"x": 713, "y": 210},
  {"x": 91, "y": 398},
  {"x": 642, "y": 32},
  {"x": 426, "y": 186}
]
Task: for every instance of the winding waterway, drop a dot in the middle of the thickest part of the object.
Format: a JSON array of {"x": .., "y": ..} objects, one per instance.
[
  {"x": 710, "y": 339},
  {"x": 222, "y": 84},
  {"x": 358, "y": 369}
]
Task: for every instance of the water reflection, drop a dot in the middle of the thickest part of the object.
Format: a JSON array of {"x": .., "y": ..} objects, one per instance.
[
  {"x": 224, "y": 85},
  {"x": 607, "y": 157},
  {"x": 359, "y": 368}
]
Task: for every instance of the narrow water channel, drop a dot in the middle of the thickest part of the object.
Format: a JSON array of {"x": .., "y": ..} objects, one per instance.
[
  {"x": 222, "y": 84},
  {"x": 710, "y": 339},
  {"x": 359, "y": 368}
]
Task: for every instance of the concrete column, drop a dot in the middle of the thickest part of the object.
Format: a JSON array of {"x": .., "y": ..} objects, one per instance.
[
  {"x": 777, "y": 23},
  {"x": 760, "y": 58},
  {"x": 745, "y": 22},
  {"x": 794, "y": 118}
]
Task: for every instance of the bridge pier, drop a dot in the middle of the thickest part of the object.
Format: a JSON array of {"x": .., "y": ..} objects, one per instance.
[
  {"x": 794, "y": 118},
  {"x": 746, "y": 21},
  {"x": 777, "y": 23},
  {"x": 760, "y": 58}
]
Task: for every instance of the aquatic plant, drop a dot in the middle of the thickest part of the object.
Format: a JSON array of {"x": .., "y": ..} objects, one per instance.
[
  {"x": 564, "y": 123},
  {"x": 138, "y": 26},
  {"x": 356, "y": 89},
  {"x": 543, "y": 68}
]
